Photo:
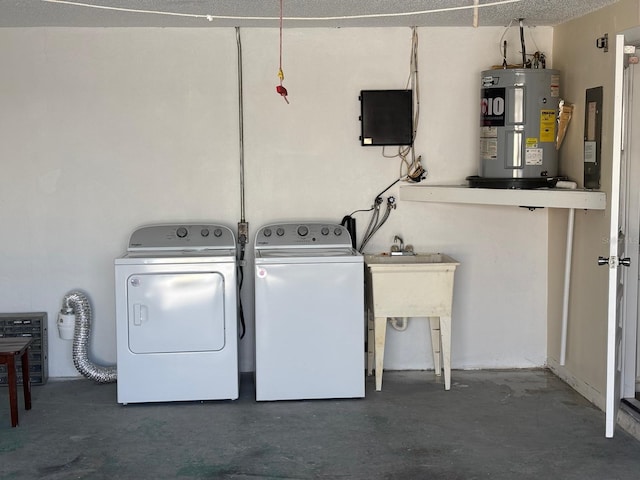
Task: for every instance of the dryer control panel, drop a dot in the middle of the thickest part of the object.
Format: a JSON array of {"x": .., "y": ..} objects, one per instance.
[
  {"x": 181, "y": 237},
  {"x": 306, "y": 235}
]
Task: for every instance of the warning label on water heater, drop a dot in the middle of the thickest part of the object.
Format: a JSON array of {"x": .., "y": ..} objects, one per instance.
[
  {"x": 488, "y": 143},
  {"x": 547, "y": 125}
]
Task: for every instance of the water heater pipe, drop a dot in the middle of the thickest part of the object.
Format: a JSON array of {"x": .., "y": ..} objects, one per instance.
[
  {"x": 522, "y": 44},
  {"x": 567, "y": 285},
  {"x": 78, "y": 303},
  {"x": 475, "y": 12}
]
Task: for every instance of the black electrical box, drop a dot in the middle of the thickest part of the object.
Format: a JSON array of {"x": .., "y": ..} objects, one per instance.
[{"x": 386, "y": 117}]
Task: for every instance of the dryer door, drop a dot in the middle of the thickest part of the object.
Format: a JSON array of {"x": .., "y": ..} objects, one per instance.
[{"x": 175, "y": 312}]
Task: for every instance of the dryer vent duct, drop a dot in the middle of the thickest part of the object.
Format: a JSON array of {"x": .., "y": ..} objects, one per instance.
[{"x": 76, "y": 302}]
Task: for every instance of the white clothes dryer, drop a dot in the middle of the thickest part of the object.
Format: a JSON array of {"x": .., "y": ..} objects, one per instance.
[
  {"x": 176, "y": 315},
  {"x": 309, "y": 313}
]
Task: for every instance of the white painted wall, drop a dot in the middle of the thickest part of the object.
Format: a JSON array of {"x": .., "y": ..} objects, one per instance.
[{"x": 103, "y": 130}]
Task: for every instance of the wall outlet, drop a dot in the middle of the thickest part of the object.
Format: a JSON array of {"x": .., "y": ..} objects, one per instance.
[{"x": 243, "y": 233}]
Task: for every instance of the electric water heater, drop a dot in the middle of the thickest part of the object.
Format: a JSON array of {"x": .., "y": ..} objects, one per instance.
[{"x": 518, "y": 124}]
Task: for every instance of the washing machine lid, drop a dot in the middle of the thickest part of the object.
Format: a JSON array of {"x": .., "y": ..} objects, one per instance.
[
  {"x": 150, "y": 257},
  {"x": 305, "y": 252},
  {"x": 307, "y": 255}
]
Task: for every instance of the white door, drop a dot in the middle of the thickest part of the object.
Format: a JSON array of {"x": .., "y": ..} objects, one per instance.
[
  {"x": 176, "y": 312},
  {"x": 616, "y": 260}
]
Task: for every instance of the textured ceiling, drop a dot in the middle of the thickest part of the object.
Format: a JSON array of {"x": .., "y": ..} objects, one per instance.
[{"x": 298, "y": 13}]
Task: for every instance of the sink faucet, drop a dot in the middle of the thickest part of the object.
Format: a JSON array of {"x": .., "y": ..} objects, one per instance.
[{"x": 399, "y": 239}]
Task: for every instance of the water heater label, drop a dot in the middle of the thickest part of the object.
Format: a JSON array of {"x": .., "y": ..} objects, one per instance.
[
  {"x": 489, "y": 81},
  {"x": 533, "y": 156},
  {"x": 489, "y": 132},
  {"x": 492, "y": 107},
  {"x": 488, "y": 149},
  {"x": 547, "y": 125},
  {"x": 555, "y": 85},
  {"x": 488, "y": 143}
]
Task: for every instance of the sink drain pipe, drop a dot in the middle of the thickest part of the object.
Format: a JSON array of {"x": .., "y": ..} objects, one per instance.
[{"x": 77, "y": 304}]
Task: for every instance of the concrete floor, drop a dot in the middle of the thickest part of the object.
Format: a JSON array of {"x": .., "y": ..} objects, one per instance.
[{"x": 522, "y": 424}]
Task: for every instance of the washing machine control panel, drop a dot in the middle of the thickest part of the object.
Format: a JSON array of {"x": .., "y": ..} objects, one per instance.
[
  {"x": 182, "y": 237},
  {"x": 303, "y": 235}
]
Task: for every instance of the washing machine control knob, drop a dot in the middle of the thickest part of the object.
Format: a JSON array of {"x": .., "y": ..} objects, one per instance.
[
  {"x": 303, "y": 230},
  {"x": 266, "y": 232},
  {"x": 181, "y": 232},
  {"x": 325, "y": 231},
  {"x": 217, "y": 232},
  {"x": 205, "y": 232},
  {"x": 280, "y": 231},
  {"x": 337, "y": 231}
]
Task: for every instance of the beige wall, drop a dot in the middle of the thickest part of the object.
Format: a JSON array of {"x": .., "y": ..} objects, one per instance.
[{"x": 584, "y": 66}]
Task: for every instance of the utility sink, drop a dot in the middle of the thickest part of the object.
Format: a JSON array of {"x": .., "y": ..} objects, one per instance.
[
  {"x": 419, "y": 285},
  {"x": 410, "y": 285}
]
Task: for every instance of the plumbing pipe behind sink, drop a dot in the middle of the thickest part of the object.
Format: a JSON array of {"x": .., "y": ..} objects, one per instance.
[{"x": 399, "y": 323}]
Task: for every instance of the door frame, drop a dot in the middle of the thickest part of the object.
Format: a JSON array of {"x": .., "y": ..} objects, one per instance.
[
  {"x": 631, "y": 342},
  {"x": 631, "y": 328}
]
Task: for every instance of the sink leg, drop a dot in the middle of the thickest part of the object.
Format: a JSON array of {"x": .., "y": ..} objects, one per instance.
[
  {"x": 380, "y": 334},
  {"x": 445, "y": 331},
  {"x": 434, "y": 323},
  {"x": 370, "y": 343}
]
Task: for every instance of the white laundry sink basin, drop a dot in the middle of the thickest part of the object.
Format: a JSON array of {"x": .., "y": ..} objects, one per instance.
[
  {"x": 410, "y": 285},
  {"x": 418, "y": 258}
]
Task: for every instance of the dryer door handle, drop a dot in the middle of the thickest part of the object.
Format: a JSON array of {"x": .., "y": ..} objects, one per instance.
[{"x": 140, "y": 314}]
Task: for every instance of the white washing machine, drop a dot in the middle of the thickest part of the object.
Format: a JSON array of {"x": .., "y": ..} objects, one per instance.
[
  {"x": 176, "y": 315},
  {"x": 309, "y": 313}
]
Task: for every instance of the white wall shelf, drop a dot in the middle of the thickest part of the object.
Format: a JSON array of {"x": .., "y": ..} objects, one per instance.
[{"x": 538, "y": 198}]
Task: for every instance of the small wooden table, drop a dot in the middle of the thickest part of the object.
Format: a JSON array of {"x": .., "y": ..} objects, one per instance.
[{"x": 10, "y": 348}]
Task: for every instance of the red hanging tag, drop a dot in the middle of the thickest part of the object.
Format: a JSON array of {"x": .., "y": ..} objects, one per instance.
[
  {"x": 282, "y": 91},
  {"x": 280, "y": 88}
]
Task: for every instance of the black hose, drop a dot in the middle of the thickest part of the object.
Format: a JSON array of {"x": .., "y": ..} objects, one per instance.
[
  {"x": 243, "y": 328},
  {"x": 350, "y": 223},
  {"x": 524, "y": 50}
]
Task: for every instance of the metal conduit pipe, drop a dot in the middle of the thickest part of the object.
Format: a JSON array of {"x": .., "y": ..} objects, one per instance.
[
  {"x": 240, "y": 122},
  {"x": 76, "y": 302}
]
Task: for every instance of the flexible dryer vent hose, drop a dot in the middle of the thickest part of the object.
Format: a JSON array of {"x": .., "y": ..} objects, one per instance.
[{"x": 76, "y": 302}]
